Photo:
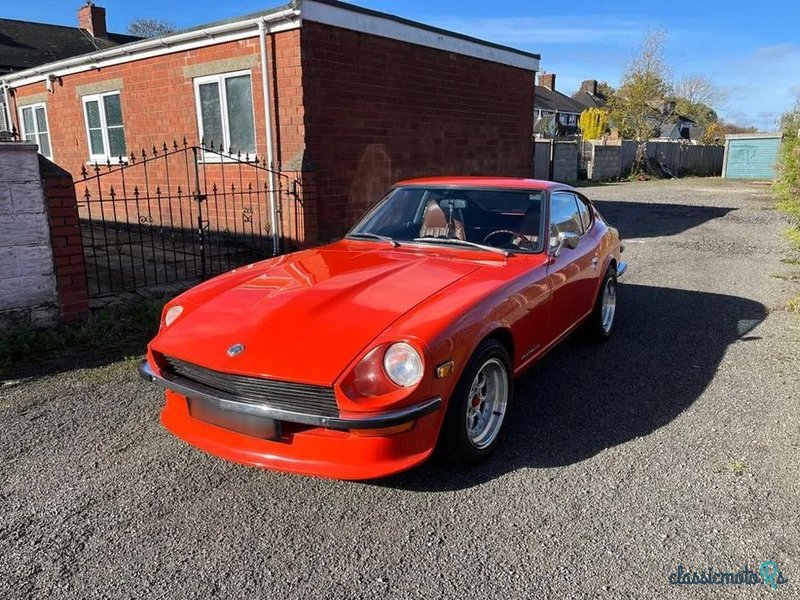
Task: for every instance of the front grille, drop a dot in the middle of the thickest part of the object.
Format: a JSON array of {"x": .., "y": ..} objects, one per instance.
[{"x": 313, "y": 399}]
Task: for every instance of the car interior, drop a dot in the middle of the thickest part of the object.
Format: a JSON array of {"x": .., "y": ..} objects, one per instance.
[{"x": 498, "y": 218}]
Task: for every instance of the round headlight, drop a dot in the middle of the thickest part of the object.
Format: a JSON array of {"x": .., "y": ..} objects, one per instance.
[
  {"x": 403, "y": 364},
  {"x": 173, "y": 313}
]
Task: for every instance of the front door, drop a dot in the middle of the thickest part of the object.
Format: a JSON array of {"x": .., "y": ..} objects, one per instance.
[{"x": 573, "y": 272}]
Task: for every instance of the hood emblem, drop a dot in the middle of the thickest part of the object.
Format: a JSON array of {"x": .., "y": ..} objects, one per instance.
[{"x": 235, "y": 350}]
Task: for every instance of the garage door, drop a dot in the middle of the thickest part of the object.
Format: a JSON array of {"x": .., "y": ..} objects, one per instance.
[{"x": 751, "y": 156}]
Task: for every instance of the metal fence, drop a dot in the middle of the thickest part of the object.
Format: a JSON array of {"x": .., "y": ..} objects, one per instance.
[{"x": 182, "y": 212}]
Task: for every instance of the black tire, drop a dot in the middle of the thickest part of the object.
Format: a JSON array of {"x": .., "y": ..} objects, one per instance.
[
  {"x": 598, "y": 329},
  {"x": 455, "y": 443}
]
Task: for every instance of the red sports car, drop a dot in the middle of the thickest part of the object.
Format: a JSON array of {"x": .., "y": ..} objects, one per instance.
[{"x": 356, "y": 359}]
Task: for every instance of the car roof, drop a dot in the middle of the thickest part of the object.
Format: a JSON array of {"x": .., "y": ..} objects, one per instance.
[{"x": 511, "y": 183}]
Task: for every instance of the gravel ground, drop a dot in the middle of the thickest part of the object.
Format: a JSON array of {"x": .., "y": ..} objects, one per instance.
[{"x": 674, "y": 443}]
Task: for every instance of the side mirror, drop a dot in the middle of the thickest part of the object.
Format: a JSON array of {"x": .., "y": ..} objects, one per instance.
[{"x": 566, "y": 239}]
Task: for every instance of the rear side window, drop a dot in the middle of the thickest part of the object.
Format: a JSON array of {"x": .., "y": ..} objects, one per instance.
[{"x": 586, "y": 214}]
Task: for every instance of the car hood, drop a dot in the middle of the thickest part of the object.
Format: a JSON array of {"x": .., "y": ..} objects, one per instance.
[{"x": 305, "y": 316}]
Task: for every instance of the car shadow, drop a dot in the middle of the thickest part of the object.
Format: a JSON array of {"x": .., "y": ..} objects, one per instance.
[
  {"x": 644, "y": 220},
  {"x": 582, "y": 398}
]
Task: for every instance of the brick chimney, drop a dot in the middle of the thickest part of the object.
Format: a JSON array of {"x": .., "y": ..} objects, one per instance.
[
  {"x": 590, "y": 85},
  {"x": 548, "y": 80},
  {"x": 93, "y": 19}
]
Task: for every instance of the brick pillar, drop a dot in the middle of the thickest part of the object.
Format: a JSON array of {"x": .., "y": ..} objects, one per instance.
[{"x": 66, "y": 240}]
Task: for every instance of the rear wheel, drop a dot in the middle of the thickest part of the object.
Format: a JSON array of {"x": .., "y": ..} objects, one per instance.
[
  {"x": 604, "y": 316},
  {"x": 479, "y": 405}
]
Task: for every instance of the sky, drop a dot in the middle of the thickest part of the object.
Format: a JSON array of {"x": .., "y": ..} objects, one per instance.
[{"x": 750, "y": 50}]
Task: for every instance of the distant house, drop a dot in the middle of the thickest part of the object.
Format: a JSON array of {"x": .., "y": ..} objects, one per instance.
[
  {"x": 555, "y": 114},
  {"x": 684, "y": 128},
  {"x": 588, "y": 96},
  {"x": 25, "y": 45}
]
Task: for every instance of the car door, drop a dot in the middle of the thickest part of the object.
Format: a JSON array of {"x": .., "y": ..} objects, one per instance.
[{"x": 572, "y": 272}]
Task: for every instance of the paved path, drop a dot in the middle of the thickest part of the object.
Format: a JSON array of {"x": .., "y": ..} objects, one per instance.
[{"x": 675, "y": 442}]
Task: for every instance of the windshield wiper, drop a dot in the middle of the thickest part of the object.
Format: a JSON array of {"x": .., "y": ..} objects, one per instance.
[
  {"x": 374, "y": 236},
  {"x": 458, "y": 242}
]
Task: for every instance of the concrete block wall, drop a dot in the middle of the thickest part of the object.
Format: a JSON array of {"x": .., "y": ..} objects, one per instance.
[
  {"x": 28, "y": 294},
  {"x": 605, "y": 163},
  {"x": 565, "y": 161}
]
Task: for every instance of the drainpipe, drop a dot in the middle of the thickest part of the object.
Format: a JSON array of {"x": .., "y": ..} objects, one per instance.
[
  {"x": 262, "y": 39},
  {"x": 7, "y": 104}
]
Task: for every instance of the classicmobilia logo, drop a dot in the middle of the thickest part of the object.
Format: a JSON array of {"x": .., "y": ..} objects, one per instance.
[{"x": 768, "y": 573}]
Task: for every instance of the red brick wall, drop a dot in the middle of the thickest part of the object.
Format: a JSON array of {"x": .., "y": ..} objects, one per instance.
[
  {"x": 380, "y": 110},
  {"x": 65, "y": 237},
  {"x": 354, "y": 113},
  {"x": 158, "y": 105}
]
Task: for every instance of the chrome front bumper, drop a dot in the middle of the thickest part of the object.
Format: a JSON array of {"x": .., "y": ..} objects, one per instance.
[{"x": 228, "y": 402}]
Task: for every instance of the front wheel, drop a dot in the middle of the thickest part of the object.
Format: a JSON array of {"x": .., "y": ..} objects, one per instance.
[
  {"x": 477, "y": 411},
  {"x": 603, "y": 318}
]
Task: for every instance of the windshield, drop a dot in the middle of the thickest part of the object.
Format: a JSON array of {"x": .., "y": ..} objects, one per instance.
[{"x": 505, "y": 219}]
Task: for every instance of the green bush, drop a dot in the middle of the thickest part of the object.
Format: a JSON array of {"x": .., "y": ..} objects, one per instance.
[
  {"x": 113, "y": 331},
  {"x": 787, "y": 188},
  {"x": 593, "y": 123}
]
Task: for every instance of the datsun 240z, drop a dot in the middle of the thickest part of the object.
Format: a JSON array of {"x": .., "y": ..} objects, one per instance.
[{"x": 357, "y": 359}]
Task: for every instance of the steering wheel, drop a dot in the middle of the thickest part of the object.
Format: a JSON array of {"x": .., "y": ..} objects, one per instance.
[{"x": 515, "y": 237}]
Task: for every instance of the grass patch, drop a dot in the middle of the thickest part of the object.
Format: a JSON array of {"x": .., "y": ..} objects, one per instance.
[
  {"x": 583, "y": 183},
  {"x": 793, "y": 235},
  {"x": 791, "y": 261},
  {"x": 738, "y": 467},
  {"x": 787, "y": 276},
  {"x": 793, "y": 306},
  {"x": 113, "y": 330}
]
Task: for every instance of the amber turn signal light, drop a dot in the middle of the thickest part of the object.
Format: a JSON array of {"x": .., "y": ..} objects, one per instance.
[{"x": 445, "y": 369}]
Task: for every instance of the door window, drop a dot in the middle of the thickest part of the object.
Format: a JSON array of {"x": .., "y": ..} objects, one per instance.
[{"x": 564, "y": 216}]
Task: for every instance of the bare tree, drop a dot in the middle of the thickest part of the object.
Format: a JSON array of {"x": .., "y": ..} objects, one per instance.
[
  {"x": 698, "y": 89},
  {"x": 639, "y": 107},
  {"x": 149, "y": 28}
]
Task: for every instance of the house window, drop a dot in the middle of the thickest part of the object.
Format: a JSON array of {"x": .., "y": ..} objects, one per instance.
[
  {"x": 3, "y": 125},
  {"x": 33, "y": 119},
  {"x": 104, "y": 128},
  {"x": 225, "y": 112}
]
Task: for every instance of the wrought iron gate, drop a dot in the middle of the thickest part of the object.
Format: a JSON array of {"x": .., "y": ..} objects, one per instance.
[{"x": 179, "y": 213}]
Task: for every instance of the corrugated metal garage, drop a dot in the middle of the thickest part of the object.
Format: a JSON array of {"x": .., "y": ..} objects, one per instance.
[{"x": 751, "y": 155}]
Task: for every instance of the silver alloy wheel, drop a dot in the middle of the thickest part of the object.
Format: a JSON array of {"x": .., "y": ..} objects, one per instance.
[
  {"x": 487, "y": 403},
  {"x": 609, "y": 304}
]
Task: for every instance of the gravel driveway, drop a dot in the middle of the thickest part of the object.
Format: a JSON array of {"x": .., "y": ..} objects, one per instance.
[{"x": 674, "y": 443}]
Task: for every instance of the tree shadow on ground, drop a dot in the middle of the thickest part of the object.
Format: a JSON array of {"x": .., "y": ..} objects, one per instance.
[
  {"x": 582, "y": 399},
  {"x": 644, "y": 220}
]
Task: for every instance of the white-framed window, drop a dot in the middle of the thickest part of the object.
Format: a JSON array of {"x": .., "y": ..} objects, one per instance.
[
  {"x": 225, "y": 116},
  {"x": 33, "y": 121},
  {"x": 3, "y": 125},
  {"x": 105, "y": 131}
]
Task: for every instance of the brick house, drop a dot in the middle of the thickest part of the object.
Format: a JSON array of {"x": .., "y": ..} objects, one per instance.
[
  {"x": 25, "y": 44},
  {"x": 341, "y": 99},
  {"x": 555, "y": 114}
]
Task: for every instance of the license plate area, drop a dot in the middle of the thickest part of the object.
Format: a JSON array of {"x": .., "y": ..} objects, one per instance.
[{"x": 252, "y": 425}]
